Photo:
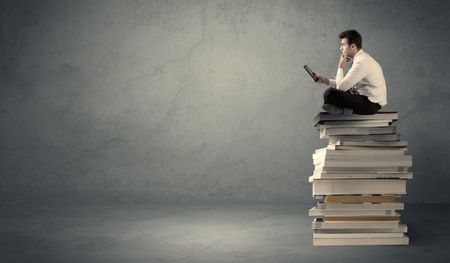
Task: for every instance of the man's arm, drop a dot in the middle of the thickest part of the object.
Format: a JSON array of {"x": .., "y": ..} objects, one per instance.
[
  {"x": 356, "y": 73},
  {"x": 332, "y": 83},
  {"x": 325, "y": 80}
]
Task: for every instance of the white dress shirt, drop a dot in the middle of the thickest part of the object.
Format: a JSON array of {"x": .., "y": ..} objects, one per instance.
[{"x": 365, "y": 76}]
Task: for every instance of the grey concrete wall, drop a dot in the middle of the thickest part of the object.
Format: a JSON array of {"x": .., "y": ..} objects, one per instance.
[{"x": 203, "y": 100}]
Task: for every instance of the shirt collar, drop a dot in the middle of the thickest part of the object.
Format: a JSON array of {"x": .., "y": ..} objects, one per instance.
[{"x": 357, "y": 54}]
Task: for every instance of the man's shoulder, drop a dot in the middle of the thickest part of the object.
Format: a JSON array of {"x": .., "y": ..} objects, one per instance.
[
  {"x": 364, "y": 55},
  {"x": 366, "y": 58}
]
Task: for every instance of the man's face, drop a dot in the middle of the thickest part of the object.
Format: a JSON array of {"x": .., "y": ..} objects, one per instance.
[{"x": 345, "y": 47}]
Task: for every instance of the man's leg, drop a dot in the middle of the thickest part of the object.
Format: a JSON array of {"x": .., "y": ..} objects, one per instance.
[{"x": 358, "y": 103}]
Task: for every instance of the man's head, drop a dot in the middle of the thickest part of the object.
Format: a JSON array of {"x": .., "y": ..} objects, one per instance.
[{"x": 351, "y": 42}]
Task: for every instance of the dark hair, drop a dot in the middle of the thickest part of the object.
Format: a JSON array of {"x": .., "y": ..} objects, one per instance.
[{"x": 353, "y": 37}]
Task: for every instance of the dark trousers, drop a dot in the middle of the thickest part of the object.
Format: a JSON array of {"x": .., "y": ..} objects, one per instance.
[{"x": 358, "y": 103}]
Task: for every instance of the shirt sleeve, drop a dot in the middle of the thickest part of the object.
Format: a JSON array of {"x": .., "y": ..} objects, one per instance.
[
  {"x": 356, "y": 73},
  {"x": 332, "y": 83}
]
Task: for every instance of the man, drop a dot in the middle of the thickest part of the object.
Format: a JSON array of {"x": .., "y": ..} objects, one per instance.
[{"x": 363, "y": 89}]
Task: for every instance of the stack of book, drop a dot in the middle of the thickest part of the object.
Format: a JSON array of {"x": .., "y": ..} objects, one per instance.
[{"x": 357, "y": 180}]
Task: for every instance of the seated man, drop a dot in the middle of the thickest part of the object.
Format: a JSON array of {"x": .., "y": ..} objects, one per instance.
[{"x": 363, "y": 89}]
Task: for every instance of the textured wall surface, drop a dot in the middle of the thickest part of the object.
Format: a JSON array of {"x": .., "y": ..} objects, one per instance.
[{"x": 203, "y": 100}]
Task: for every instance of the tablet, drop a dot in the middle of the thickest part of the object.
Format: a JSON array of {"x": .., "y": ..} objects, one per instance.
[{"x": 311, "y": 73}]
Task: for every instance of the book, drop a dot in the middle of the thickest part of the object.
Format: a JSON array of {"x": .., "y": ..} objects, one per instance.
[
  {"x": 379, "y": 175},
  {"x": 324, "y": 116},
  {"x": 358, "y": 186},
  {"x": 372, "y": 143},
  {"x": 360, "y": 241},
  {"x": 326, "y": 132},
  {"x": 355, "y": 212},
  {"x": 363, "y": 161},
  {"x": 317, "y": 234},
  {"x": 362, "y": 218},
  {"x": 353, "y": 170},
  {"x": 372, "y": 152},
  {"x": 333, "y": 139},
  {"x": 351, "y": 155},
  {"x": 319, "y": 223},
  {"x": 351, "y": 199},
  {"x": 342, "y": 124},
  {"x": 361, "y": 148},
  {"x": 400, "y": 228},
  {"x": 360, "y": 206}
]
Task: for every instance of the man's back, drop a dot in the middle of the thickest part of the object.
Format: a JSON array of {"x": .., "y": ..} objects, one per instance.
[{"x": 373, "y": 85}]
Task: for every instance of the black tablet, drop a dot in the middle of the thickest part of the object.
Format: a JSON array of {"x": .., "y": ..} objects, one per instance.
[{"x": 311, "y": 73}]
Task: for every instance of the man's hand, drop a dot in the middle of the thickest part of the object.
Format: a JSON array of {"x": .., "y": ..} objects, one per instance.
[
  {"x": 321, "y": 79},
  {"x": 343, "y": 59}
]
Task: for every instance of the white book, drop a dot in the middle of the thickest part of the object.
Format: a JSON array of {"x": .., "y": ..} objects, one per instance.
[
  {"x": 361, "y": 241},
  {"x": 363, "y": 148},
  {"x": 360, "y": 152},
  {"x": 359, "y": 212},
  {"x": 402, "y": 228},
  {"x": 361, "y": 206},
  {"x": 361, "y": 176},
  {"x": 363, "y": 157},
  {"x": 353, "y": 170},
  {"x": 349, "y": 156},
  {"x": 317, "y": 159},
  {"x": 342, "y": 124},
  {"x": 318, "y": 223},
  {"x": 352, "y": 155},
  {"x": 407, "y": 161},
  {"x": 362, "y": 161},
  {"x": 361, "y": 138},
  {"x": 325, "y": 116},
  {"x": 388, "y": 159},
  {"x": 372, "y": 143},
  {"x": 326, "y": 132},
  {"x": 358, "y": 186},
  {"x": 357, "y": 235}
]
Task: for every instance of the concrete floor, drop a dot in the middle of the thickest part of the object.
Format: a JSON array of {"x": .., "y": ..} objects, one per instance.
[{"x": 200, "y": 233}]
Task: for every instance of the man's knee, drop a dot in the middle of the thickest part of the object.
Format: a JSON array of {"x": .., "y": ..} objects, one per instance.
[{"x": 329, "y": 94}]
